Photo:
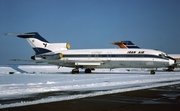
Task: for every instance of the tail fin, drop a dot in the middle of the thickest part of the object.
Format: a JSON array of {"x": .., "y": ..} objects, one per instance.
[
  {"x": 125, "y": 44},
  {"x": 41, "y": 45},
  {"x": 37, "y": 42}
]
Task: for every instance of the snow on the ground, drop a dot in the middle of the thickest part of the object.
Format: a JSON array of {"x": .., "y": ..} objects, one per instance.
[
  {"x": 31, "y": 69},
  {"x": 101, "y": 81}
]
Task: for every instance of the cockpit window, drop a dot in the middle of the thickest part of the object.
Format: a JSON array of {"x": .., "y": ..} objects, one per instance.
[{"x": 162, "y": 55}]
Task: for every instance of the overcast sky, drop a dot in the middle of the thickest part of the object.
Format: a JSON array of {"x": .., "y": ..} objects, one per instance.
[{"x": 88, "y": 24}]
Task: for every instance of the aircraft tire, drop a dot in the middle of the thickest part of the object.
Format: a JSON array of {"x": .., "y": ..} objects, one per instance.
[
  {"x": 88, "y": 70},
  {"x": 75, "y": 71},
  {"x": 152, "y": 72}
]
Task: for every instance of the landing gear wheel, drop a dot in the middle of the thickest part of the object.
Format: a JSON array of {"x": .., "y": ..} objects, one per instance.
[
  {"x": 75, "y": 71},
  {"x": 87, "y": 70},
  {"x": 152, "y": 72},
  {"x": 170, "y": 68}
]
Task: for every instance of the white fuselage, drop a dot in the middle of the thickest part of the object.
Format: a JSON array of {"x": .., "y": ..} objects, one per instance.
[{"x": 112, "y": 58}]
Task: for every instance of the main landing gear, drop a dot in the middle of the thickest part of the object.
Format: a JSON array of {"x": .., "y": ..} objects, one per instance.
[
  {"x": 87, "y": 70},
  {"x": 76, "y": 71},
  {"x": 152, "y": 72},
  {"x": 170, "y": 68}
]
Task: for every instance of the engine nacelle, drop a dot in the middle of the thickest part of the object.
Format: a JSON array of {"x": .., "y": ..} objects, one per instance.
[
  {"x": 36, "y": 57},
  {"x": 53, "y": 56},
  {"x": 48, "y": 57},
  {"x": 58, "y": 46}
]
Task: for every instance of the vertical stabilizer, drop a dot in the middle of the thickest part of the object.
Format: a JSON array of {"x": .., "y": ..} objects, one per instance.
[
  {"x": 37, "y": 42},
  {"x": 125, "y": 44},
  {"x": 41, "y": 45}
]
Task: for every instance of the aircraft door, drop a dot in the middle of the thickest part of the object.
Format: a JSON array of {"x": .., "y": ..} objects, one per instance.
[
  {"x": 109, "y": 56},
  {"x": 89, "y": 56}
]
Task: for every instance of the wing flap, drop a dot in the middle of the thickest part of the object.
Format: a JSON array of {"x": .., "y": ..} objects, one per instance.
[{"x": 88, "y": 63}]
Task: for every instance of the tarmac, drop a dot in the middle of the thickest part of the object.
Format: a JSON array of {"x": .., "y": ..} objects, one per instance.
[{"x": 165, "y": 98}]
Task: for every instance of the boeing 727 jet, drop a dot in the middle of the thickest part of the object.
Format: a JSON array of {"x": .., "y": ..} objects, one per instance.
[{"x": 59, "y": 54}]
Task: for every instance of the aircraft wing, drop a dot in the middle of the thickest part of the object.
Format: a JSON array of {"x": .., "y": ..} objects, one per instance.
[
  {"x": 38, "y": 61},
  {"x": 57, "y": 62},
  {"x": 22, "y": 60}
]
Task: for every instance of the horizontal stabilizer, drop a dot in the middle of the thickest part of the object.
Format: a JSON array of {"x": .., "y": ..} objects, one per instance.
[{"x": 20, "y": 35}]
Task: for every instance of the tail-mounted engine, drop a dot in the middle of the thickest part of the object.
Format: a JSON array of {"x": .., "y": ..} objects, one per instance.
[
  {"x": 58, "y": 46},
  {"x": 47, "y": 57}
]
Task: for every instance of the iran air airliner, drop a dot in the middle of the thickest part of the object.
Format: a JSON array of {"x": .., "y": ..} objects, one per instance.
[
  {"x": 131, "y": 45},
  {"x": 60, "y": 54}
]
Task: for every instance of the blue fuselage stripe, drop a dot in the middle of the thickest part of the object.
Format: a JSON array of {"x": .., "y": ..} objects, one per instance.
[{"x": 113, "y": 56}]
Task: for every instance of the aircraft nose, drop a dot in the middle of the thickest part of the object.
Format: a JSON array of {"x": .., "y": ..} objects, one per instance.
[{"x": 171, "y": 61}]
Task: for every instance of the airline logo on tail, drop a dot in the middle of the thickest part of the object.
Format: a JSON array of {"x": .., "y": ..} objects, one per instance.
[
  {"x": 41, "y": 45},
  {"x": 125, "y": 44}
]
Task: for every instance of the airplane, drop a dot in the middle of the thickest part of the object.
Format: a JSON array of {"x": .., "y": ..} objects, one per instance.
[
  {"x": 125, "y": 44},
  {"x": 130, "y": 45},
  {"x": 60, "y": 54}
]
